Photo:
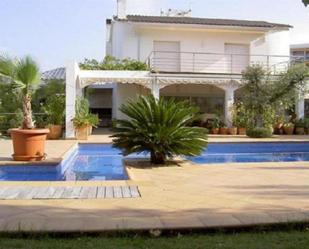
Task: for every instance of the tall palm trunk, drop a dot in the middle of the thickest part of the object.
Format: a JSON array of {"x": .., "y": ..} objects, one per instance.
[{"x": 27, "y": 111}]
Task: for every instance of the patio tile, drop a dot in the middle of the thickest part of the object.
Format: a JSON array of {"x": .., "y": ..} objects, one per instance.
[
  {"x": 180, "y": 221},
  {"x": 172, "y": 197},
  {"x": 219, "y": 220},
  {"x": 255, "y": 218},
  {"x": 142, "y": 223}
]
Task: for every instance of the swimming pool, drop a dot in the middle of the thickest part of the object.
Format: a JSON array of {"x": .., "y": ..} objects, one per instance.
[
  {"x": 101, "y": 162},
  {"x": 253, "y": 152},
  {"x": 88, "y": 162}
]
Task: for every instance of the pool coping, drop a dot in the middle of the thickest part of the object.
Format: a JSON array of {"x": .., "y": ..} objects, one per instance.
[
  {"x": 131, "y": 177},
  {"x": 55, "y": 163}
]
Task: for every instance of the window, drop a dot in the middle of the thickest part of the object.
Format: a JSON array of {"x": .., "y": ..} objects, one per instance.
[{"x": 166, "y": 56}]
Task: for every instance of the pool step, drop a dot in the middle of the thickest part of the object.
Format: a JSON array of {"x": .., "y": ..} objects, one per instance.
[{"x": 68, "y": 192}]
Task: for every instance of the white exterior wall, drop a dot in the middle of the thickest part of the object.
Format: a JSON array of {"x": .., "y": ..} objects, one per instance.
[
  {"x": 136, "y": 42},
  {"x": 123, "y": 93},
  {"x": 124, "y": 43},
  {"x": 133, "y": 41}
]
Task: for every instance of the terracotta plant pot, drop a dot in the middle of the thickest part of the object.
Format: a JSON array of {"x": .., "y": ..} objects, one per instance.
[
  {"x": 288, "y": 130},
  {"x": 241, "y": 131},
  {"x": 55, "y": 131},
  {"x": 29, "y": 145},
  {"x": 300, "y": 130},
  {"x": 223, "y": 131},
  {"x": 278, "y": 126},
  {"x": 215, "y": 131},
  {"x": 81, "y": 133},
  {"x": 232, "y": 131}
]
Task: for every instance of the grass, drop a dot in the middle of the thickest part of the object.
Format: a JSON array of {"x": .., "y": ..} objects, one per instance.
[{"x": 240, "y": 240}]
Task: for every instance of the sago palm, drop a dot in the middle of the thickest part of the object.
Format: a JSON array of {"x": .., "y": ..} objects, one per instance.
[
  {"x": 23, "y": 74},
  {"x": 160, "y": 127}
]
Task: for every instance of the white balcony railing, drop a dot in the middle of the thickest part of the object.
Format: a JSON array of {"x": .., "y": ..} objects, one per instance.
[{"x": 215, "y": 63}]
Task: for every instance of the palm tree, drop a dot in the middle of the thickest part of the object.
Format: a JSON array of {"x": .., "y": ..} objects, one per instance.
[
  {"x": 160, "y": 127},
  {"x": 23, "y": 74}
]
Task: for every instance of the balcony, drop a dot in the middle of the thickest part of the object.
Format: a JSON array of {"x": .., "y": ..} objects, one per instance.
[{"x": 214, "y": 63}]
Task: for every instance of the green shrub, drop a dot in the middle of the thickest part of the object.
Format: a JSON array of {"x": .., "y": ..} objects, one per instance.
[
  {"x": 17, "y": 120},
  {"x": 83, "y": 116},
  {"x": 259, "y": 132},
  {"x": 111, "y": 63},
  {"x": 160, "y": 127},
  {"x": 55, "y": 107}
]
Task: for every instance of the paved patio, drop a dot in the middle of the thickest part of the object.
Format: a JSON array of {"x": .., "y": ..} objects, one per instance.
[{"x": 179, "y": 196}]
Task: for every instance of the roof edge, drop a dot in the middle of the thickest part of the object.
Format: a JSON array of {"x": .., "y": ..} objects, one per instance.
[{"x": 201, "y": 21}]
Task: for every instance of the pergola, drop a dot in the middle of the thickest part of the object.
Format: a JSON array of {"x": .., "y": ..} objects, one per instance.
[{"x": 77, "y": 79}]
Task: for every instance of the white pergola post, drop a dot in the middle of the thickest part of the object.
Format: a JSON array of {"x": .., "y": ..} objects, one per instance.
[
  {"x": 72, "y": 89},
  {"x": 155, "y": 88},
  {"x": 228, "y": 105},
  {"x": 300, "y": 106}
]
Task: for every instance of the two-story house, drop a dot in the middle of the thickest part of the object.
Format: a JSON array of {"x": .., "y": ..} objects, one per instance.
[{"x": 198, "y": 59}]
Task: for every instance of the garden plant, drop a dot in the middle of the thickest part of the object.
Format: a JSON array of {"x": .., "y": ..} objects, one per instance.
[
  {"x": 160, "y": 127},
  {"x": 265, "y": 94}
]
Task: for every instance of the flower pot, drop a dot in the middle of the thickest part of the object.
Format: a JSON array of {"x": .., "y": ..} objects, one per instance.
[
  {"x": 81, "y": 133},
  {"x": 215, "y": 131},
  {"x": 55, "y": 131},
  {"x": 307, "y": 131},
  {"x": 29, "y": 145},
  {"x": 232, "y": 131},
  {"x": 223, "y": 131},
  {"x": 300, "y": 130},
  {"x": 278, "y": 126},
  {"x": 288, "y": 130},
  {"x": 241, "y": 131}
]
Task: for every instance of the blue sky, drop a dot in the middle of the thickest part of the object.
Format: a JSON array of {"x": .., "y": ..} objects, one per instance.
[{"x": 55, "y": 31}]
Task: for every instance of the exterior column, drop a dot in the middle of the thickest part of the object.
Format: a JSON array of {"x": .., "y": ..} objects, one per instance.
[
  {"x": 72, "y": 89},
  {"x": 155, "y": 88},
  {"x": 300, "y": 106},
  {"x": 228, "y": 105}
]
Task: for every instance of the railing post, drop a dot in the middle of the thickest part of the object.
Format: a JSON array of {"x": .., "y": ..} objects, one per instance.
[
  {"x": 193, "y": 62},
  {"x": 231, "y": 63}
]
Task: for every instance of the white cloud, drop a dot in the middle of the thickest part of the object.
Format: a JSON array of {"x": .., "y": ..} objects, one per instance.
[{"x": 300, "y": 33}]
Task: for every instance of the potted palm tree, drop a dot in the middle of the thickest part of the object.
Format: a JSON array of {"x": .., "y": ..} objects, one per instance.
[{"x": 24, "y": 75}]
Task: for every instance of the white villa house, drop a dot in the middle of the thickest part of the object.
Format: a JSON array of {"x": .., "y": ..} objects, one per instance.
[{"x": 198, "y": 59}]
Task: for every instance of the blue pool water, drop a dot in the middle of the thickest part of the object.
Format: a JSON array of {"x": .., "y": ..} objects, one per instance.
[
  {"x": 88, "y": 162},
  {"x": 91, "y": 162},
  {"x": 253, "y": 152}
]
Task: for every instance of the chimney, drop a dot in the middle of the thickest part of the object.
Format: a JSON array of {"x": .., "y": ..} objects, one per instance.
[{"x": 122, "y": 9}]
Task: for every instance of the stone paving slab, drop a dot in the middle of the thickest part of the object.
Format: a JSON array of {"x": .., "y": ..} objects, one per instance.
[
  {"x": 175, "y": 197},
  {"x": 67, "y": 192}
]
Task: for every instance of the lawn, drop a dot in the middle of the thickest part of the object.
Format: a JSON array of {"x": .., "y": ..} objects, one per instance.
[{"x": 244, "y": 240}]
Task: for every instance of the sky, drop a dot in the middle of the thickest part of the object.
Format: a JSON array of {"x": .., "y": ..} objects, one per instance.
[{"x": 57, "y": 31}]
